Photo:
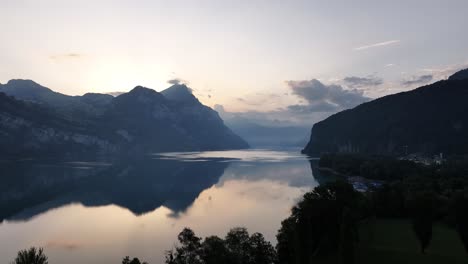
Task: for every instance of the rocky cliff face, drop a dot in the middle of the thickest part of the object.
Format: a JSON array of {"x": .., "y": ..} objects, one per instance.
[
  {"x": 28, "y": 130},
  {"x": 76, "y": 107},
  {"x": 194, "y": 118},
  {"x": 146, "y": 121},
  {"x": 143, "y": 120},
  {"x": 430, "y": 119}
]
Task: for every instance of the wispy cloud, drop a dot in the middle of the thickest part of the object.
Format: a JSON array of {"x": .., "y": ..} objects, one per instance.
[
  {"x": 177, "y": 81},
  {"x": 380, "y": 44},
  {"x": 66, "y": 56},
  {"x": 64, "y": 244},
  {"x": 444, "y": 72},
  {"x": 357, "y": 82},
  {"x": 423, "y": 79}
]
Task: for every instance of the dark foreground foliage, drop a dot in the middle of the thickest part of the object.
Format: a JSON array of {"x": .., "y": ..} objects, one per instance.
[
  {"x": 238, "y": 247},
  {"x": 127, "y": 260},
  {"x": 31, "y": 256},
  {"x": 324, "y": 223}
]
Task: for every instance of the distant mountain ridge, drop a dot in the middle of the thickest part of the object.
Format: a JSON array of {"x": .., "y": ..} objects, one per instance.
[
  {"x": 35, "y": 120},
  {"x": 431, "y": 119},
  {"x": 262, "y": 136},
  {"x": 27, "y": 90},
  {"x": 460, "y": 75}
]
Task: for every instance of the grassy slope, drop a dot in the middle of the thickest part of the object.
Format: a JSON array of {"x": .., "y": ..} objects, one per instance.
[{"x": 393, "y": 241}]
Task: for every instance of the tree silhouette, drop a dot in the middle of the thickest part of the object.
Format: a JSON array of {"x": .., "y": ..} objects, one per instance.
[
  {"x": 31, "y": 256},
  {"x": 127, "y": 260},
  {"x": 348, "y": 237},
  {"x": 237, "y": 242},
  {"x": 461, "y": 216},
  {"x": 237, "y": 248},
  {"x": 422, "y": 209},
  {"x": 318, "y": 225},
  {"x": 261, "y": 251},
  {"x": 287, "y": 246},
  {"x": 188, "y": 252},
  {"x": 214, "y": 251}
]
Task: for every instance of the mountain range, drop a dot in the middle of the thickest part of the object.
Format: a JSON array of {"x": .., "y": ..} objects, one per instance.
[
  {"x": 263, "y": 136},
  {"x": 429, "y": 120},
  {"x": 34, "y": 120}
]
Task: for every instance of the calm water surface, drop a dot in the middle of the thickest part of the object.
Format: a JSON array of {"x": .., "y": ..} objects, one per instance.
[{"x": 101, "y": 211}]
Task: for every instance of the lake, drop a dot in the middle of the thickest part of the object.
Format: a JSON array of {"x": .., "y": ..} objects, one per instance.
[{"x": 100, "y": 211}]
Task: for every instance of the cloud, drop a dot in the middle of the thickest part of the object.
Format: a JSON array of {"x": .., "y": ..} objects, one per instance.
[
  {"x": 380, "y": 44},
  {"x": 423, "y": 79},
  {"x": 305, "y": 102},
  {"x": 324, "y": 98},
  {"x": 265, "y": 100},
  {"x": 275, "y": 118},
  {"x": 318, "y": 107},
  {"x": 219, "y": 108},
  {"x": 444, "y": 72},
  {"x": 64, "y": 244},
  {"x": 73, "y": 55},
  {"x": 66, "y": 56},
  {"x": 175, "y": 81},
  {"x": 356, "y": 82}
]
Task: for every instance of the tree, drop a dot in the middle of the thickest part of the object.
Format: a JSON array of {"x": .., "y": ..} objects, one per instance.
[
  {"x": 461, "y": 216},
  {"x": 237, "y": 242},
  {"x": 31, "y": 256},
  {"x": 237, "y": 248},
  {"x": 261, "y": 251},
  {"x": 127, "y": 260},
  {"x": 189, "y": 250},
  {"x": 214, "y": 251},
  {"x": 348, "y": 237},
  {"x": 422, "y": 209},
  {"x": 316, "y": 227},
  {"x": 286, "y": 248}
]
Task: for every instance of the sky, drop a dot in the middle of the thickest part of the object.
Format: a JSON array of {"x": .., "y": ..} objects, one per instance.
[{"x": 282, "y": 58}]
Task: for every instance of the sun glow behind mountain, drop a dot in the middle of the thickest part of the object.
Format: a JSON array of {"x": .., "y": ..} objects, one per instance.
[{"x": 238, "y": 55}]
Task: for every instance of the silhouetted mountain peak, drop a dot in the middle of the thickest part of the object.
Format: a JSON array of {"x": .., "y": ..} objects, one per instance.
[
  {"x": 179, "y": 92},
  {"x": 25, "y": 84},
  {"x": 460, "y": 75},
  {"x": 141, "y": 89},
  {"x": 30, "y": 91},
  {"x": 141, "y": 94}
]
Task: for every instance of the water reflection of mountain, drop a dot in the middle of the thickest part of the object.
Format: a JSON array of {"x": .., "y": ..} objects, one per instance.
[{"x": 31, "y": 187}]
